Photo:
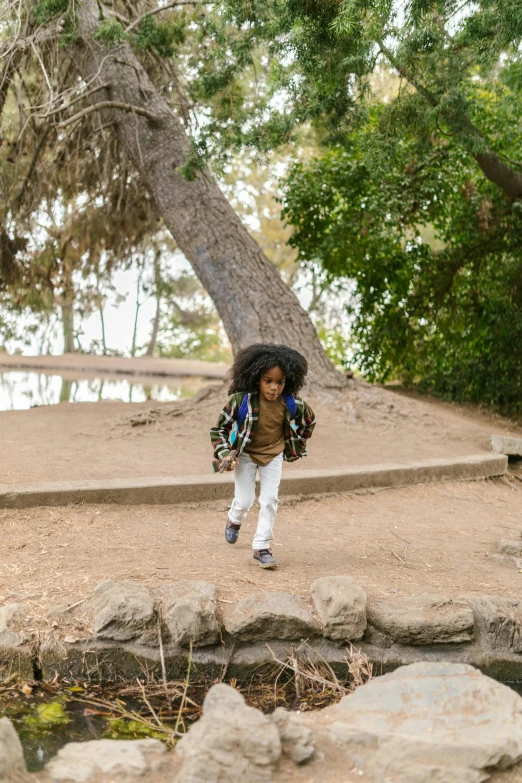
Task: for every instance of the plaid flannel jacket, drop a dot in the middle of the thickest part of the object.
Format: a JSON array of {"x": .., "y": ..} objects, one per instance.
[{"x": 296, "y": 433}]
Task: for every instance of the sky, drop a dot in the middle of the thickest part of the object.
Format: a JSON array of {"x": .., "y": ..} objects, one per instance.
[{"x": 118, "y": 316}]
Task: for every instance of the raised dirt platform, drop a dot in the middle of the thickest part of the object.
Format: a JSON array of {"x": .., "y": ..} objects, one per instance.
[{"x": 77, "y": 442}]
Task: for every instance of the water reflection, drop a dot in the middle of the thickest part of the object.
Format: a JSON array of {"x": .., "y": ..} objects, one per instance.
[{"x": 21, "y": 390}]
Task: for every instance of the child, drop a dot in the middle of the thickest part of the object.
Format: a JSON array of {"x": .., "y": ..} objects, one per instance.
[{"x": 262, "y": 424}]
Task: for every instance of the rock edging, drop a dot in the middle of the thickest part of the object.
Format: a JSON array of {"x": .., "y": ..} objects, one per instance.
[{"x": 117, "y": 630}]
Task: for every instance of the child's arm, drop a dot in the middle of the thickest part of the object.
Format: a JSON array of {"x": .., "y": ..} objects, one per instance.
[
  {"x": 220, "y": 434},
  {"x": 305, "y": 423}
]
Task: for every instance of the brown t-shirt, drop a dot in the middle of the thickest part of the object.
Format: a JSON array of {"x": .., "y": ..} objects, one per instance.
[{"x": 268, "y": 439}]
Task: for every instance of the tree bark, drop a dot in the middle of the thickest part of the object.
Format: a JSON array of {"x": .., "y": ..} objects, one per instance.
[
  {"x": 155, "y": 328},
  {"x": 68, "y": 326},
  {"x": 141, "y": 269},
  {"x": 251, "y": 298},
  {"x": 157, "y": 284}
]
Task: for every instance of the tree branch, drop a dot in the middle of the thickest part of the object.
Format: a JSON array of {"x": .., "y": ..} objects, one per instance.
[
  {"x": 10, "y": 66},
  {"x": 32, "y": 166},
  {"x": 137, "y": 21},
  {"x": 109, "y": 105},
  {"x": 75, "y": 100},
  {"x": 45, "y": 34},
  {"x": 499, "y": 173}
]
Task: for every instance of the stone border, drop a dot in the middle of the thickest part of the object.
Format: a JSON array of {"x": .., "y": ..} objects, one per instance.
[
  {"x": 114, "y": 634},
  {"x": 184, "y": 489}
]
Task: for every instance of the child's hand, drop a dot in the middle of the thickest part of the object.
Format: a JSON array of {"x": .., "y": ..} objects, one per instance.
[{"x": 229, "y": 463}]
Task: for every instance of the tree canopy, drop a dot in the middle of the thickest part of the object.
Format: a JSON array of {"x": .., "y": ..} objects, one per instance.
[{"x": 415, "y": 193}]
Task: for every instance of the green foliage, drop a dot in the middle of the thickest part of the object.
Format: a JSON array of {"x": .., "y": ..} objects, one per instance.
[
  {"x": 45, "y": 11},
  {"x": 432, "y": 245},
  {"x": 191, "y": 327},
  {"x": 194, "y": 163},
  {"x": 196, "y": 343},
  {"x": 47, "y": 716},
  {"x": 336, "y": 345},
  {"x": 110, "y": 32},
  {"x": 163, "y": 37},
  {"x": 122, "y": 728}
]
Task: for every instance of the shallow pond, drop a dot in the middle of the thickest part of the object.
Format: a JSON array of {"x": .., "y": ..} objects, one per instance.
[
  {"x": 21, "y": 389},
  {"x": 47, "y": 716}
]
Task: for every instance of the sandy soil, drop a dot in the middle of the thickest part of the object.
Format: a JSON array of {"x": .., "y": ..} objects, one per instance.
[
  {"x": 367, "y": 425},
  {"x": 56, "y": 555}
]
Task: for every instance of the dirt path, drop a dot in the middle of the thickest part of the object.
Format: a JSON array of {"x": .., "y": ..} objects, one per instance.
[
  {"x": 368, "y": 425},
  {"x": 59, "y": 555},
  {"x": 114, "y": 365}
]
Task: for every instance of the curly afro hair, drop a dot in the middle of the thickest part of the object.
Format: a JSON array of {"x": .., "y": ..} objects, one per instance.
[{"x": 250, "y": 363}]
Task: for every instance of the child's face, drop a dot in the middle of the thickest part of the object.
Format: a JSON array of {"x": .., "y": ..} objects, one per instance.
[{"x": 272, "y": 383}]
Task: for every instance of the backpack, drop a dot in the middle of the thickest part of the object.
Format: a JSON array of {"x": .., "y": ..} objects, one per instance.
[{"x": 243, "y": 410}]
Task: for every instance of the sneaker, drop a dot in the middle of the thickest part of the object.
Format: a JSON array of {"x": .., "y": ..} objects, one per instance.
[
  {"x": 232, "y": 532},
  {"x": 264, "y": 558}
]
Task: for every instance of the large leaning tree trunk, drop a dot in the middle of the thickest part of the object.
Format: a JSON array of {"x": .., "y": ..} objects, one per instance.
[{"x": 251, "y": 298}]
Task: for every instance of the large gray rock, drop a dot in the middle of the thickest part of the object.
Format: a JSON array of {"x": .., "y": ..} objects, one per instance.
[
  {"x": 13, "y": 619},
  {"x": 499, "y": 621},
  {"x": 297, "y": 740},
  {"x": 508, "y": 546},
  {"x": 120, "y": 761},
  {"x": 503, "y": 444},
  {"x": 12, "y": 764},
  {"x": 122, "y": 612},
  {"x": 263, "y": 616},
  {"x": 340, "y": 603},
  {"x": 423, "y": 619},
  {"x": 189, "y": 612},
  {"x": 231, "y": 743},
  {"x": 430, "y": 722}
]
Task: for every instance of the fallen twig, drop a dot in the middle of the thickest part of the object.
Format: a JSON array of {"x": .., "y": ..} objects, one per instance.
[
  {"x": 184, "y": 697},
  {"x": 308, "y": 676},
  {"x": 162, "y": 656},
  {"x": 408, "y": 543}
]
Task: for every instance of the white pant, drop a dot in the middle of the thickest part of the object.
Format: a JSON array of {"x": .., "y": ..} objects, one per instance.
[{"x": 245, "y": 494}]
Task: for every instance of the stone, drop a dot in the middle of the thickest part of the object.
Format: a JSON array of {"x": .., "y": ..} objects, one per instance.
[
  {"x": 123, "y": 612},
  {"x": 13, "y": 617},
  {"x": 509, "y": 563},
  {"x": 504, "y": 444},
  {"x": 263, "y": 616},
  {"x": 499, "y": 621},
  {"x": 11, "y": 754},
  {"x": 230, "y": 743},
  {"x": 117, "y": 760},
  {"x": 189, "y": 612},
  {"x": 340, "y": 603},
  {"x": 297, "y": 740},
  {"x": 430, "y": 722},
  {"x": 423, "y": 619},
  {"x": 510, "y": 547}
]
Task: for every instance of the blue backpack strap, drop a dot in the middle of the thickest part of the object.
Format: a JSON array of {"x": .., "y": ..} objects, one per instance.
[
  {"x": 241, "y": 416},
  {"x": 290, "y": 404},
  {"x": 243, "y": 410}
]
